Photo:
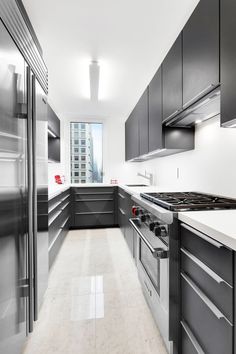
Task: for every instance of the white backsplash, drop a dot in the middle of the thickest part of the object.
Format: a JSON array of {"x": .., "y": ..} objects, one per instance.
[{"x": 210, "y": 168}]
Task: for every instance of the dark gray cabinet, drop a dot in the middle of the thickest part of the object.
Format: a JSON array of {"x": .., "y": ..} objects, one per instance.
[
  {"x": 94, "y": 207},
  {"x": 59, "y": 211},
  {"x": 228, "y": 62},
  {"x": 155, "y": 112},
  {"x": 207, "y": 294},
  {"x": 54, "y": 132},
  {"x": 172, "y": 71},
  {"x": 131, "y": 137},
  {"x": 142, "y": 119},
  {"x": 125, "y": 204},
  {"x": 201, "y": 52}
]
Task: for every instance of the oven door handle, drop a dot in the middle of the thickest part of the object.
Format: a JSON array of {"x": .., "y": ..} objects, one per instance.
[{"x": 156, "y": 252}]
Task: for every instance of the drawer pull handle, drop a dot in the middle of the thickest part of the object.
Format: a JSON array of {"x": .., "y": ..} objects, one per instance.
[
  {"x": 121, "y": 211},
  {"x": 205, "y": 268},
  {"x": 192, "y": 338},
  {"x": 219, "y": 315},
  {"x": 203, "y": 236},
  {"x": 120, "y": 195}
]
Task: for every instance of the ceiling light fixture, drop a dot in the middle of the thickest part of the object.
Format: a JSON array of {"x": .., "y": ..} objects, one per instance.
[
  {"x": 94, "y": 71},
  {"x": 198, "y": 121}
]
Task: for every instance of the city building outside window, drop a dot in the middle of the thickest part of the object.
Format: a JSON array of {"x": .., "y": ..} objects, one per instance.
[{"x": 90, "y": 154}]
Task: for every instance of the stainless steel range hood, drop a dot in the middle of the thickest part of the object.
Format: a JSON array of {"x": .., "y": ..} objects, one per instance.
[{"x": 205, "y": 108}]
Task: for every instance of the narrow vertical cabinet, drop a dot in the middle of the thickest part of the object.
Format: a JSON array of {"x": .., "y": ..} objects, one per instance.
[
  {"x": 142, "y": 119},
  {"x": 228, "y": 62},
  {"x": 155, "y": 112},
  {"x": 201, "y": 48},
  {"x": 131, "y": 137},
  {"x": 172, "y": 71}
]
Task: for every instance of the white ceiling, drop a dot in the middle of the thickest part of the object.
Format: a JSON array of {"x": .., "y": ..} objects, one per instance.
[{"x": 129, "y": 38}]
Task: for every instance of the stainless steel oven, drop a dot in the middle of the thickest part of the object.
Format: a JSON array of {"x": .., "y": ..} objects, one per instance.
[{"x": 152, "y": 259}]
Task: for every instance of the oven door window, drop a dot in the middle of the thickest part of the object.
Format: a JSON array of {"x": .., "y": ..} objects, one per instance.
[{"x": 151, "y": 265}]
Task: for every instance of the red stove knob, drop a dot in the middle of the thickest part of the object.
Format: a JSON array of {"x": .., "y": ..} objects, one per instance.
[{"x": 136, "y": 210}]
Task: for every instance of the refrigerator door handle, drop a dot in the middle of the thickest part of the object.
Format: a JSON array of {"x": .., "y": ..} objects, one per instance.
[
  {"x": 30, "y": 199},
  {"x": 35, "y": 212}
]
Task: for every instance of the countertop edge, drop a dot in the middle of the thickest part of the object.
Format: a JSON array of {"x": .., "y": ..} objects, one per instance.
[{"x": 215, "y": 234}]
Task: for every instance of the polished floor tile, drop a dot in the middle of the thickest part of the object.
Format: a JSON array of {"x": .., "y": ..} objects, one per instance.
[{"x": 94, "y": 303}]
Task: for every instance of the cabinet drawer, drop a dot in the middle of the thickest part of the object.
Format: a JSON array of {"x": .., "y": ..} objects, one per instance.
[
  {"x": 92, "y": 190},
  {"x": 189, "y": 342},
  {"x": 94, "y": 220},
  {"x": 86, "y": 206},
  {"x": 212, "y": 253},
  {"x": 212, "y": 330},
  {"x": 214, "y": 287}
]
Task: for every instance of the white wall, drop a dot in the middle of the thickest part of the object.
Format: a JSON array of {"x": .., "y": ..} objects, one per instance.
[{"x": 211, "y": 167}]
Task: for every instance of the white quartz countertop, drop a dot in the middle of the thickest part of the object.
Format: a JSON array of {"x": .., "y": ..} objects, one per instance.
[
  {"x": 218, "y": 224},
  {"x": 56, "y": 189}
]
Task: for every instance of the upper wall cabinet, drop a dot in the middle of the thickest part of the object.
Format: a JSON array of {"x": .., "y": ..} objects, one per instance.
[
  {"x": 172, "y": 69},
  {"x": 155, "y": 112},
  {"x": 228, "y": 63},
  {"x": 141, "y": 112},
  {"x": 54, "y": 146},
  {"x": 201, "y": 51},
  {"x": 131, "y": 137}
]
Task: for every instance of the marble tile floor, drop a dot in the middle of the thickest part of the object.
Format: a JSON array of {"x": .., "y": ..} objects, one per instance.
[{"x": 94, "y": 303}]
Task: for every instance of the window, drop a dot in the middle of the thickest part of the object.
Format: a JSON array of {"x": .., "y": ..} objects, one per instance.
[{"x": 89, "y": 152}]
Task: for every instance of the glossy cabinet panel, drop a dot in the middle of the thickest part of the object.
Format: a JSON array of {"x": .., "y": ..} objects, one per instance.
[
  {"x": 201, "y": 48},
  {"x": 155, "y": 112},
  {"x": 227, "y": 64},
  {"x": 172, "y": 69},
  {"x": 142, "y": 119}
]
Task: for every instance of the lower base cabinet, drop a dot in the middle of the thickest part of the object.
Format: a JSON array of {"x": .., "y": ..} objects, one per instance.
[
  {"x": 59, "y": 223},
  {"x": 207, "y": 294},
  {"x": 125, "y": 204},
  {"x": 94, "y": 207}
]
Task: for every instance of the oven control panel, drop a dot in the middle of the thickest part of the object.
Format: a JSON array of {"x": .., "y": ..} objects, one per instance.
[{"x": 156, "y": 226}]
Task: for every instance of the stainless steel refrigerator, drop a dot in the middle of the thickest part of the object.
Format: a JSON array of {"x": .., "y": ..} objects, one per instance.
[{"x": 23, "y": 196}]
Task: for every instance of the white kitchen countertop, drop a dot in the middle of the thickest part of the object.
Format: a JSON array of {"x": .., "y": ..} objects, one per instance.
[
  {"x": 56, "y": 189},
  {"x": 218, "y": 224}
]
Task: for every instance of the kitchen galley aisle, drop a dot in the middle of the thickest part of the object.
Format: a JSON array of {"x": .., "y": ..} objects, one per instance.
[{"x": 94, "y": 302}]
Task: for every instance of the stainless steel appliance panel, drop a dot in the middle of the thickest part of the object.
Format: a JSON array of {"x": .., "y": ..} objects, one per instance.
[
  {"x": 40, "y": 194},
  {"x": 13, "y": 196}
]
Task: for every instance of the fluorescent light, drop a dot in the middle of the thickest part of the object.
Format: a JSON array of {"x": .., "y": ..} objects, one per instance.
[
  {"x": 94, "y": 71},
  {"x": 51, "y": 133},
  {"x": 198, "y": 121}
]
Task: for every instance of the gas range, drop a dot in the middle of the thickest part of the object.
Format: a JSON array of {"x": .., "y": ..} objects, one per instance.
[{"x": 187, "y": 201}]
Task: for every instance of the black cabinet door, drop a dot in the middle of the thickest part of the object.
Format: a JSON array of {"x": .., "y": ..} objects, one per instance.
[
  {"x": 132, "y": 136},
  {"x": 173, "y": 80},
  {"x": 155, "y": 111},
  {"x": 142, "y": 117},
  {"x": 228, "y": 62},
  {"x": 201, "y": 51}
]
